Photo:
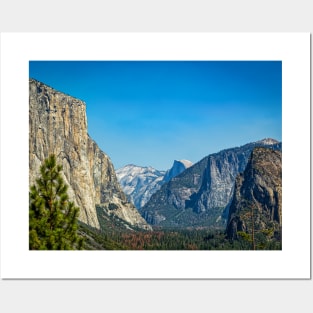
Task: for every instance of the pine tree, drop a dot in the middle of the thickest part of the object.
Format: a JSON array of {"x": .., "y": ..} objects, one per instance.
[{"x": 52, "y": 217}]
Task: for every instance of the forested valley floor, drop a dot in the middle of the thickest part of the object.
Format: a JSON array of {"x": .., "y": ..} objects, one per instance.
[{"x": 172, "y": 239}]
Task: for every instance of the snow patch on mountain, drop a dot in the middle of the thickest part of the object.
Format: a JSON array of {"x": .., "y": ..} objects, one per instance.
[{"x": 140, "y": 183}]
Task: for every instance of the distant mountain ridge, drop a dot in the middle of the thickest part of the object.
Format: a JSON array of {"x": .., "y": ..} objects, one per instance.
[
  {"x": 200, "y": 196},
  {"x": 140, "y": 183}
]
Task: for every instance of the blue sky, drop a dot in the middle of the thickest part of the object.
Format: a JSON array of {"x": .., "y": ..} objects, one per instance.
[{"x": 149, "y": 113}]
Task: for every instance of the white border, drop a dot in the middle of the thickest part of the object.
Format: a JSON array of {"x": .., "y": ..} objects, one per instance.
[{"x": 292, "y": 262}]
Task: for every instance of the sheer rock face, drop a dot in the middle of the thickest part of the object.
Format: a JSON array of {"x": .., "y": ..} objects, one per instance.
[
  {"x": 58, "y": 125},
  {"x": 258, "y": 188},
  {"x": 218, "y": 184}
]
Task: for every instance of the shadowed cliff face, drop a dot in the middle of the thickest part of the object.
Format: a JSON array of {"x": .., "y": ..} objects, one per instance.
[
  {"x": 258, "y": 195},
  {"x": 58, "y": 125}
]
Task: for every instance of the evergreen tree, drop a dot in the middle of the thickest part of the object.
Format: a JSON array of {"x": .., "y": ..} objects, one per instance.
[{"x": 52, "y": 217}]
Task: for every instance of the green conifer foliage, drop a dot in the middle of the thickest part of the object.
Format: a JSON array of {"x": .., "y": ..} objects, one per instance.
[{"x": 52, "y": 217}]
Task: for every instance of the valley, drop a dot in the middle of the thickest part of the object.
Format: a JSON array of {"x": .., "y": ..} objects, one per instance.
[{"x": 228, "y": 200}]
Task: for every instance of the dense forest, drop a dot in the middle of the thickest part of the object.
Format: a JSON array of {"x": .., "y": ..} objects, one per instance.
[{"x": 114, "y": 237}]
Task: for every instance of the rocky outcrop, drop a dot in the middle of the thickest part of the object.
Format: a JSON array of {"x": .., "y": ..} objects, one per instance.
[
  {"x": 257, "y": 201},
  {"x": 58, "y": 125},
  {"x": 202, "y": 193}
]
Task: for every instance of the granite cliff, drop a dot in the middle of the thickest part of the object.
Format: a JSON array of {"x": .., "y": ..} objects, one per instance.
[
  {"x": 58, "y": 125},
  {"x": 257, "y": 201},
  {"x": 177, "y": 168}
]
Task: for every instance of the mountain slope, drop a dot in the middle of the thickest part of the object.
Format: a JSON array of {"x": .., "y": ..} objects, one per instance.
[
  {"x": 201, "y": 194},
  {"x": 257, "y": 203},
  {"x": 58, "y": 125},
  {"x": 140, "y": 183}
]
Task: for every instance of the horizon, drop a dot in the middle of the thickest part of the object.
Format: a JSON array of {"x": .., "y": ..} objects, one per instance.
[{"x": 150, "y": 113}]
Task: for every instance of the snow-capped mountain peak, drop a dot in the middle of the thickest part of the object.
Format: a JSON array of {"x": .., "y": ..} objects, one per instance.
[{"x": 140, "y": 183}]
